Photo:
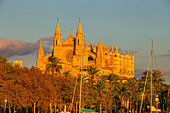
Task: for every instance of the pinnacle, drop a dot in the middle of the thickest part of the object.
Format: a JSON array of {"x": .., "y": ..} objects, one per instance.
[
  {"x": 99, "y": 41},
  {"x": 116, "y": 50},
  {"x": 133, "y": 54},
  {"x": 112, "y": 50},
  {"x": 95, "y": 44},
  {"x": 70, "y": 31},
  {"x": 127, "y": 53},
  {"x": 57, "y": 31},
  {"x": 90, "y": 44},
  {"x": 86, "y": 43},
  {"x": 41, "y": 51},
  {"x": 79, "y": 29}
]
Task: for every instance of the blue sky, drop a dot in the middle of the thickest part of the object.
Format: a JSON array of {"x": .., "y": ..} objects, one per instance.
[{"x": 129, "y": 24}]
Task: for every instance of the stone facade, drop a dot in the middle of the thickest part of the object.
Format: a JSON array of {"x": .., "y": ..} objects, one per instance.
[{"x": 107, "y": 59}]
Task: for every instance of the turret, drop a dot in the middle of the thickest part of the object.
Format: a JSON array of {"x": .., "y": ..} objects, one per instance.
[
  {"x": 99, "y": 59},
  {"x": 94, "y": 48},
  {"x": 127, "y": 56},
  {"x": 85, "y": 59},
  {"x": 111, "y": 57},
  {"x": 99, "y": 47},
  {"x": 117, "y": 61},
  {"x": 132, "y": 63}
]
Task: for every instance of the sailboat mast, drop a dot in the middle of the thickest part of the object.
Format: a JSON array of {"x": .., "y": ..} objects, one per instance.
[
  {"x": 81, "y": 79},
  {"x": 151, "y": 73},
  {"x": 149, "y": 64}
]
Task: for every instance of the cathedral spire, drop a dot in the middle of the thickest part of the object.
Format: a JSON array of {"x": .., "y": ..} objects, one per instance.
[
  {"x": 57, "y": 31},
  {"x": 79, "y": 29},
  {"x": 57, "y": 35},
  {"x": 40, "y": 51}
]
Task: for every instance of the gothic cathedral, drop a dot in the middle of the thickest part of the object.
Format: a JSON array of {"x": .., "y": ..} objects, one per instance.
[{"x": 73, "y": 50}]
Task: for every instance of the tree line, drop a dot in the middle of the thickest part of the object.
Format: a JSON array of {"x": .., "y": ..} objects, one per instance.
[{"x": 29, "y": 90}]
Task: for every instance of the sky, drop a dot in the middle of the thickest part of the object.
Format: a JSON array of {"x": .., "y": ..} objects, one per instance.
[{"x": 129, "y": 24}]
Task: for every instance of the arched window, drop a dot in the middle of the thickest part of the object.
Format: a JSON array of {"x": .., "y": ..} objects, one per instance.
[
  {"x": 78, "y": 41},
  {"x": 56, "y": 42}
]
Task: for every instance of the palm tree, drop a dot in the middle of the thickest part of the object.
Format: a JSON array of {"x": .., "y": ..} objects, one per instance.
[
  {"x": 133, "y": 88},
  {"x": 112, "y": 80},
  {"x": 137, "y": 98},
  {"x": 162, "y": 96},
  {"x": 93, "y": 72},
  {"x": 157, "y": 81},
  {"x": 121, "y": 89},
  {"x": 157, "y": 78},
  {"x": 101, "y": 87},
  {"x": 66, "y": 73},
  {"x": 168, "y": 87},
  {"x": 54, "y": 64}
]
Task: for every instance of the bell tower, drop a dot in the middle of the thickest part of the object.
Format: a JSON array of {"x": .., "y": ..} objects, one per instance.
[
  {"x": 79, "y": 43},
  {"x": 79, "y": 40},
  {"x": 57, "y": 41}
]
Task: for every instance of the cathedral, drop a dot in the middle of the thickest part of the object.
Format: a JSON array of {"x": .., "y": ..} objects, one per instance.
[{"x": 74, "y": 52}]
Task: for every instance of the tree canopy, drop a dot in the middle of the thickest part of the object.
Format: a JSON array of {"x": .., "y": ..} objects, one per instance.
[{"x": 30, "y": 90}]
